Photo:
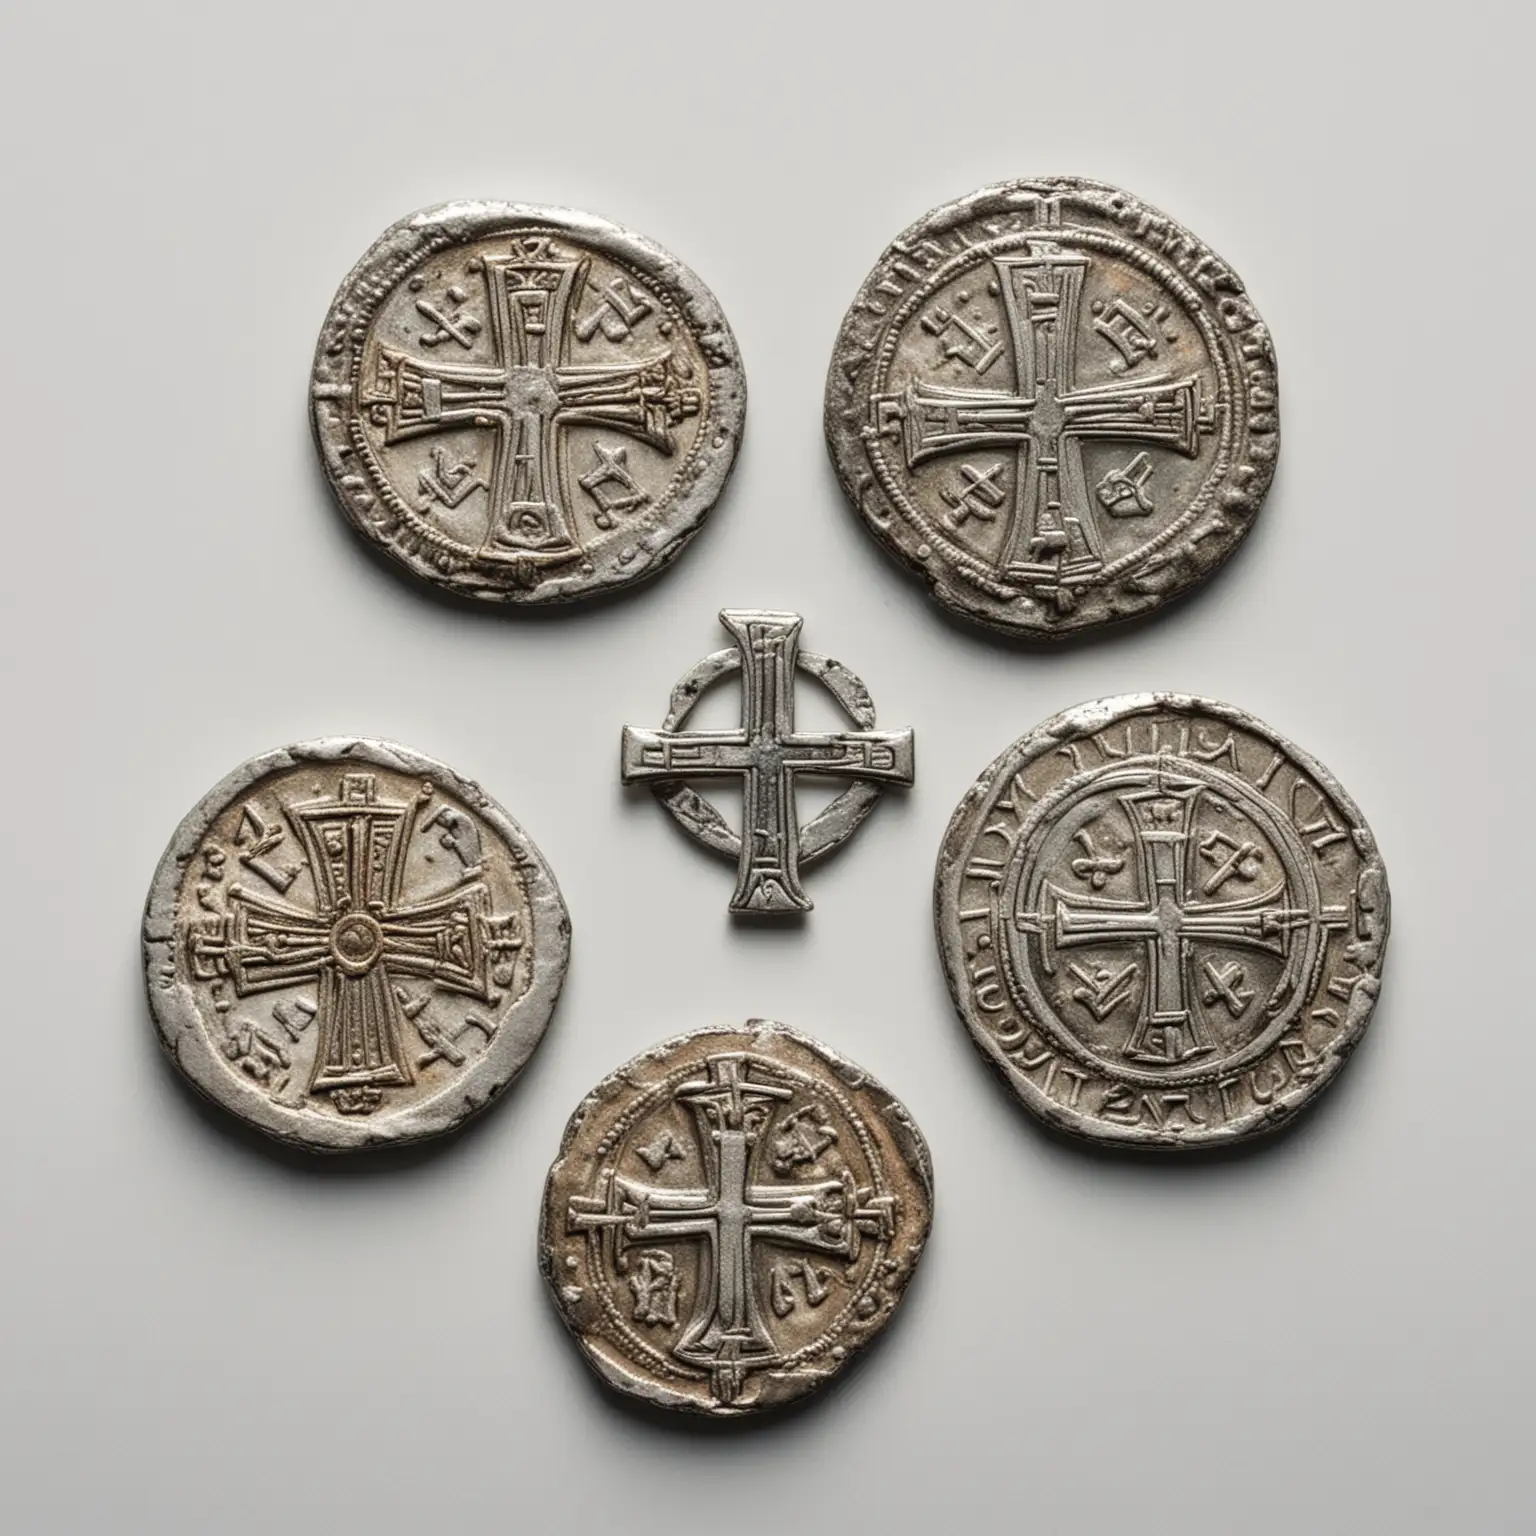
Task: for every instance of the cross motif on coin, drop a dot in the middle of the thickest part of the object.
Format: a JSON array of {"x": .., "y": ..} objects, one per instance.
[
  {"x": 1166, "y": 922},
  {"x": 1051, "y": 540},
  {"x": 726, "y": 1334},
  {"x": 767, "y": 753},
  {"x": 359, "y": 940},
  {"x": 527, "y": 396}
]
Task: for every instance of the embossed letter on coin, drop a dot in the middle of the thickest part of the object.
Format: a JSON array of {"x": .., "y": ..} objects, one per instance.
[
  {"x": 346, "y": 944},
  {"x": 526, "y": 404},
  {"x": 732, "y": 1216},
  {"x": 1055, "y": 404},
  {"x": 1161, "y": 921},
  {"x": 766, "y": 755}
]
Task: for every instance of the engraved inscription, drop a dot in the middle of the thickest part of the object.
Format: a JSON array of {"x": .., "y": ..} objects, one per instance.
[
  {"x": 1155, "y": 893},
  {"x": 1102, "y": 358}
]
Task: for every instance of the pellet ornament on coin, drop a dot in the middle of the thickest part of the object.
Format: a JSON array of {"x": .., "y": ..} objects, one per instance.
[
  {"x": 525, "y": 404},
  {"x": 732, "y": 1217},
  {"x": 1054, "y": 404},
  {"x": 347, "y": 945},
  {"x": 1161, "y": 922}
]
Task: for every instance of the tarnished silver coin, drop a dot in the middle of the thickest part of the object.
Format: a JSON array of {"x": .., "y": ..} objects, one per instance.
[
  {"x": 766, "y": 756},
  {"x": 525, "y": 404},
  {"x": 732, "y": 1217},
  {"x": 1162, "y": 922},
  {"x": 348, "y": 945},
  {"x": 1055, "y": 404}
]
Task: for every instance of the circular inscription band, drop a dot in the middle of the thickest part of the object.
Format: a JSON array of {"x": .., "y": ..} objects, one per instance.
[
  {"x": 1161, "y": 921},
  {"x": 1054, "y": 404}
]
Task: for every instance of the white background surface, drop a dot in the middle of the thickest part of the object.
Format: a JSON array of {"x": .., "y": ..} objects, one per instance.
[{"x": 199, "y": 1335}]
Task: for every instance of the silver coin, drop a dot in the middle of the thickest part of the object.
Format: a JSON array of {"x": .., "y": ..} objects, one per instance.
[
  {"x": 524, "y": 404},
  {"x": 732, "y": 1217},
  {"x": 348, "y": 945},
  {"x": 1055, "y": 404},
  {"x": 767, "y": 755},
  {"x": 1162, "y": 922}
]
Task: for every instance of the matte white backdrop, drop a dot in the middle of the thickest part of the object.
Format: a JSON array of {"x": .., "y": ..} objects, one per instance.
[{"x": 200, "y": 1335}]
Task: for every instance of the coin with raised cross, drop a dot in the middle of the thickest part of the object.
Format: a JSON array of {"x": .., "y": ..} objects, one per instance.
[
  {"x": 525, "y": 404},
  {"x": 1055, "y": 405},
  {"x": 348, "y": 945},
  {"x": 1161, "y": 922},
  {"x": 732, "y": 1217},
  {"x": 766, "y": 755}
]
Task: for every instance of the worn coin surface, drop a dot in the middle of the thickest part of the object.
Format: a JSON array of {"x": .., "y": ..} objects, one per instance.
[
  {"x": 1055, "y": 404},
  {"x": 732, "y": 1217},
  {"x": 1163, "y": 923},
  {"x": 526, "y": 404},
  {"x": 348, "y": 945}
]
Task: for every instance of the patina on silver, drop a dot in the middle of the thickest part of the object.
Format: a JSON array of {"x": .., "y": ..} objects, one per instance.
[
  {"x": 349, "y": 945},
  {"x": 525, "y": 404},
  {"x": 1163, "y": 923},
  {"x": 767, "y": 754},
  {"x": 1055, "y": 404},
  {"x": 732, "y": 1216}
]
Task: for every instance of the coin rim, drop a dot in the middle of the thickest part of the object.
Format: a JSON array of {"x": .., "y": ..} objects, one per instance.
[
  {"x": 898, "y": 1124},
  {"x": 1239, "y": 502},
  {"x": 1072, "y": 724},
  {"x": 179, "y": 1022},
  {"x": 474, "y": 219}
]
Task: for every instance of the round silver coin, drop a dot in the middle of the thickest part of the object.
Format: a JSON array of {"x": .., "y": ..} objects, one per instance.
[
  {"x": 1162, "y": 922},
  {"x": 732, "y": 1217},
  {"x": 524, "y": 404},
  {"x": 1055, "y": 404},
  {"x": 348, "y": 945}
]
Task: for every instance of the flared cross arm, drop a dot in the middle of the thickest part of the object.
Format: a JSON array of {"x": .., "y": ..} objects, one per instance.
[
  {"x": 726, "y": 1333},
  {"x": 359, "y": 937},
  {"x": 767, "y": 753},
  {"x": 1046, "y": 418},
  {"x": 1164, "y": 923},
  {"x": 527, "y": 395}
]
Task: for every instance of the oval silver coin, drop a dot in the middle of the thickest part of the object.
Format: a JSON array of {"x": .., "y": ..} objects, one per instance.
[
  {"x": 525, "y": 404},
  {"x": 346, "y": 944},
  {"x": 1161, "y": 922},
  {"x": 1054, "y": 404},
  {"x": 732, "y": 1217}
]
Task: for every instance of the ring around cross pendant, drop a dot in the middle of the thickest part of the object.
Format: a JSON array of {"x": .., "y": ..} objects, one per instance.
[
  {"x": 767, "y": 754},
  {"x": 524, "y": 404}
]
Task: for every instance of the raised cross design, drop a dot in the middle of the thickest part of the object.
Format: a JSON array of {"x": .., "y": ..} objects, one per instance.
[
  {"x": 767, "y": 753},
  {"x": 1166, "y": 923},
  {"x": 527, "y": 396},
  {"x": 1051, "y": 540},
  {"x": 727, "y": 1215},
  {"x": 360, "y": 939}
]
